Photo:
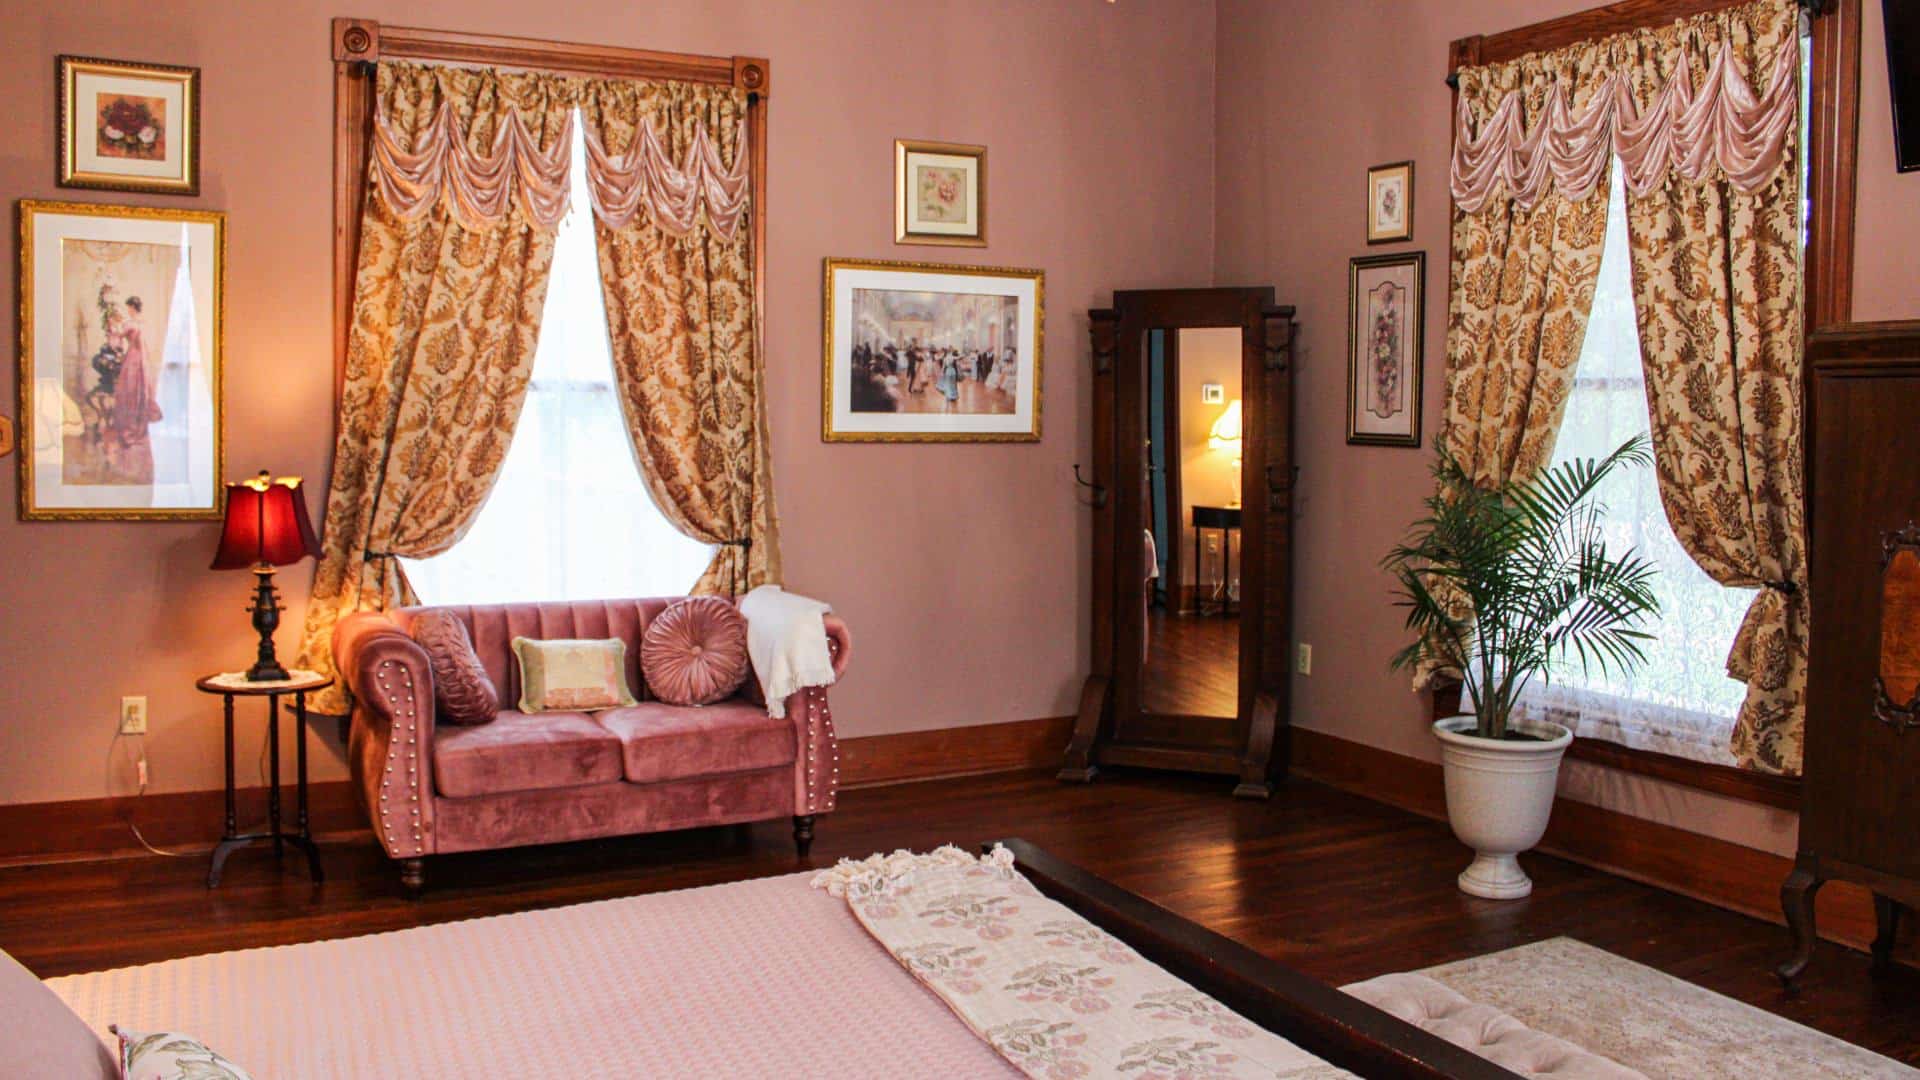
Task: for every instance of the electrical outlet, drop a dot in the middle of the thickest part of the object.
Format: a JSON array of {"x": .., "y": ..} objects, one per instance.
[
  {"x": 1303, "y": 659},
  {"x": 133, "y": 714}
]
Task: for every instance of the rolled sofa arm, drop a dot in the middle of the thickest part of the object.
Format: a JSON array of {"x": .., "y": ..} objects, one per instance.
[
  {"x": 391, "y": 740},
  {"x": 816, "y": 768}
]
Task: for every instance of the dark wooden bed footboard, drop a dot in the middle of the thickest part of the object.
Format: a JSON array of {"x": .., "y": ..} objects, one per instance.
[{"x": 1314, "y": 1016}]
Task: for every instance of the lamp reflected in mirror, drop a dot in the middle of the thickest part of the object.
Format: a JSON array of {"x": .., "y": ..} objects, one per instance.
[
  {"x": 1224, "y": 437},
  {"x": 1194, "y": 441}
]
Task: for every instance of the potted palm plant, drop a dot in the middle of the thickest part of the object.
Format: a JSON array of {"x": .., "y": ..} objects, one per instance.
[{"x": 1502, "y": 585}]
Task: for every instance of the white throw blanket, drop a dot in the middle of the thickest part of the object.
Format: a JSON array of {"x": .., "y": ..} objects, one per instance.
[
  {"x": 787, "y": 639},
  {"x": 1057, "y": 996}
]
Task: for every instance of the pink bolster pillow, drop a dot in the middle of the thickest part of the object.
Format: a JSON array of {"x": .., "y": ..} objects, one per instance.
[
  {"x": 695, "y": 652},
  {"x": 462, "y": 693}
]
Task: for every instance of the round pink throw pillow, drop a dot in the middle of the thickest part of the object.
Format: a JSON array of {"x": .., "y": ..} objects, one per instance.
[{"x": 695, "y": 652}]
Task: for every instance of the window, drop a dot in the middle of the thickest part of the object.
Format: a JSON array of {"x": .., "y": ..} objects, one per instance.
[
  {"x": 1680, "y": 702},
  {"x": 570, "y": 517}
]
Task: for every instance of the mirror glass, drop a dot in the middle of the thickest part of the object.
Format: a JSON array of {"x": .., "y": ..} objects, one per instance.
[{"x": 1192, "y": 542}]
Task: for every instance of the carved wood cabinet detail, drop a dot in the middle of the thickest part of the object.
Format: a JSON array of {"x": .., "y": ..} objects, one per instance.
[{"x": 1861, "y": 783}]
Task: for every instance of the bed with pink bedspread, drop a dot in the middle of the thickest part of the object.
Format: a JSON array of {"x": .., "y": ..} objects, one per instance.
[{"x": 766, "y": 978}]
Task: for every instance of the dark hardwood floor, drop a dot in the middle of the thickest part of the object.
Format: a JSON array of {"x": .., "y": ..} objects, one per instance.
[
  {"x": 1193, "y": 665},
  {"x": 1339, "y": 886}
]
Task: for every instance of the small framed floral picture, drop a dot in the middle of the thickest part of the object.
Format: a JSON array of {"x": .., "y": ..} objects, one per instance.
[
  {"x": 128, "y": 127},
  {"x": 939, "y": 193},
  {"x": 1386, "y": 308},
  {"x": 1390, "y": 203}
]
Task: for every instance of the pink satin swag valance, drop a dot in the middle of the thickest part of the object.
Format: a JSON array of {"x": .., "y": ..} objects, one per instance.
[
  {"x": 1722, "y": 125},
  {"x": 515, "y": 172},
  {"x": 477, "y": 188},
  {"x": 644, "y": 178}
]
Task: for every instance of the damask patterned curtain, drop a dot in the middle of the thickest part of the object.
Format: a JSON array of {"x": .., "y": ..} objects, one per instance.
[
  {"x": 447, "y": 302},
  {"x": 1702, "y": 113},
  {"x": 680, "y": 309},
  {"x": 1524, "y": 272},
  {"x": 1716, "y": 281}
]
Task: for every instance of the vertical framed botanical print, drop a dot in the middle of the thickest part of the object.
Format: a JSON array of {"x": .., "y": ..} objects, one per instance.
[
  {"x": 128, "y": 127},
  {"x": 1390, "y": 203},
  {"x": 1386, "y": 308},
  {"x": 939, "y": 193},
  {"x": 120, "y": 363},
  {"x": 922, "y": 352}
]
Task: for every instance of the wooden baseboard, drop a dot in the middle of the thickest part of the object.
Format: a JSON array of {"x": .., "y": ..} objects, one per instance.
[
  {"x": 177, "y": 821},
  {"x": 908, "y": 756},
  {"x": 82, "y": 829},
  {"x": 1724, "y": 874}
]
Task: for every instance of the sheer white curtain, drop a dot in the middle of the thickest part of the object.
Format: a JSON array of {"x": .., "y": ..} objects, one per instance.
[
  {"x": 1680, "y": 702},
  {"x": 569, "y": 518}
]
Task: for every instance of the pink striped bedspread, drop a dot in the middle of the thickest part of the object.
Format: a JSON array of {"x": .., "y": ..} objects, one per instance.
[{"x": 764, "y": 978}]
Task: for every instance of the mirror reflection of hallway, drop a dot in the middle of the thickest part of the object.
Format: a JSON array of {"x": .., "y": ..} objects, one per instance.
[{"x": 1192, "y": 544}]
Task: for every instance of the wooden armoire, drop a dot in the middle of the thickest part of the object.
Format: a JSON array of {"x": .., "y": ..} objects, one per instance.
[{"x": 1860, "y": 809}]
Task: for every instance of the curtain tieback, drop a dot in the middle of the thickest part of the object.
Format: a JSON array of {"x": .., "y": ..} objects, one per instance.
[
  {"x": 1784, "y": 588},
  {"x": 746, "y": 542}
]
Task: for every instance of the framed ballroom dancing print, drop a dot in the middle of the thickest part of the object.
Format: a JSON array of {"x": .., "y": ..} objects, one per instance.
[
  {"x": 939, "y": 193},
  {"x": 1386, "y": 308},
  {"x": 1390, "y": 203},
  {"x": 128, "y": 127},
  {"x": 120, "y": 362},
  {"x": 920, "y": 352}
]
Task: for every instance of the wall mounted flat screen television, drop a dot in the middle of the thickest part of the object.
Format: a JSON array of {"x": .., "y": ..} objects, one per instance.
[{"x": 1903, "y": 74}]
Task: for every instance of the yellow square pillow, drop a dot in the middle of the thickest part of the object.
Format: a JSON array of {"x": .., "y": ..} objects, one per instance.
[{"x": 570, "y": 674}]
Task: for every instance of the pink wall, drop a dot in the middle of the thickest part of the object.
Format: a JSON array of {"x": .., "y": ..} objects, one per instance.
[
  {"x": 1307, "y": 101},
  {"x": 1887, "y": 217},
  {"x": 959, "y": 567}
]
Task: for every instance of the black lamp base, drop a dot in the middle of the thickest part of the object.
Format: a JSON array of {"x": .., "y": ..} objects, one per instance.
[{"x": 266, "y": 611}]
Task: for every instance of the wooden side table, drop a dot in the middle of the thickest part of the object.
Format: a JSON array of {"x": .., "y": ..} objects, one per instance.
[{"x": 235, "y": 684}]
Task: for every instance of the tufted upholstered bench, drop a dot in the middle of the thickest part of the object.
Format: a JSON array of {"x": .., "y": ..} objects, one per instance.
[
  {"x": 548, "y": 777},
  {"x": 1484, "y": 1030}
]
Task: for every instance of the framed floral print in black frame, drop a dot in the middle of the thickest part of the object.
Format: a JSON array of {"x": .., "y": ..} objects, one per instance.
[
  {"x": 1386, "y": 309},
  {"x": 127, "y": 126}
]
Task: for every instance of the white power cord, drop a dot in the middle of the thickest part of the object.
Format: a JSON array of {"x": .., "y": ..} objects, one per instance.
[{"x": 139, "y": 764}]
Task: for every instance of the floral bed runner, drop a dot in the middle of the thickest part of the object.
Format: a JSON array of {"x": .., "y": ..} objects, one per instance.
[{"x": 1054, "y": 994}]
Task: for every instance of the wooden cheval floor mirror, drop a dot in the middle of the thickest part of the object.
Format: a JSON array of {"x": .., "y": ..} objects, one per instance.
[{"x": 1190, "y": 490}]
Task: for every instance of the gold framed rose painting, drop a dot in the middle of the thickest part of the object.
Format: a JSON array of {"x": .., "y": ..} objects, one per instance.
[
  {"x": 924, "y": 352},
  {"x": 120, "y": 362},
  {"x": 939, "y": 193},
  {"x": 1390, "y": 203},
  {"x": 127, "y": 126}
]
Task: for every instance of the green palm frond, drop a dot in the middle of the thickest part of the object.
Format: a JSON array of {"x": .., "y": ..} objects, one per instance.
[{"x": 1503, "y": 583}]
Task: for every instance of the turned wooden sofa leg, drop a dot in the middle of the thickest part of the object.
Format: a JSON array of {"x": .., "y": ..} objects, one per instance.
[
  {"x": 803, "y": 833},
  {"x": 413, "y": 875}
]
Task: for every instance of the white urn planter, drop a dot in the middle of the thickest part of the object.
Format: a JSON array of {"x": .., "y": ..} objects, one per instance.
[{"x": 1499, "y": 795}]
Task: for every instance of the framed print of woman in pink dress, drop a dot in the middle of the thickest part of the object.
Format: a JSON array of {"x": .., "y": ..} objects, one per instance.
[{"x": 121, "y": 367}]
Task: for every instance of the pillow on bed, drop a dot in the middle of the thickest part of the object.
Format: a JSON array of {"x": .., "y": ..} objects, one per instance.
[
  {"x": 695, "y": 652},
  {"x": 568, "y": 674},
  {"x": 462, "y": 693},
  {"x": 46, "y": 1040},
  {"x": 169, "y": 1055}
]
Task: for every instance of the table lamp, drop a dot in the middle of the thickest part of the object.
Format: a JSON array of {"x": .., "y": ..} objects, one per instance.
[
  {"x": 266, "y": 526},
  {"x": 1225, "y": 435}
]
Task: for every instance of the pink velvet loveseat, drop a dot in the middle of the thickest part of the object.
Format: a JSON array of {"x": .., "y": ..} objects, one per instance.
[{"x": 557, "y": 776}]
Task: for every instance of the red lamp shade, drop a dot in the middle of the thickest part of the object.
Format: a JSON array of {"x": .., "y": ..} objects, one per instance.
[{"x": 267, "y": 524}]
